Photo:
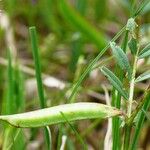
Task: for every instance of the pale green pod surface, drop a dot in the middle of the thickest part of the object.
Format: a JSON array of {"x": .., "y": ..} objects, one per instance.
[{"x": 49, "y": 116}]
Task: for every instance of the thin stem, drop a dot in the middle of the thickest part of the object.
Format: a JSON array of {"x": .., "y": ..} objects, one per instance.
[
  {"x": 144, "y": 105},
  {"x": 128, "y": 127},
  {"x": 89, "y": 67},
  {"x": 139, "y": 107},
  {"x": 131, "y": 91},
  {"x": 127, "y": 137}
]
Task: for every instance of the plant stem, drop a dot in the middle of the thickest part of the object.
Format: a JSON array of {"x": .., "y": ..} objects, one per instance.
[
  {"x": 144, "y": 105},
  {"x": 127, "y": 137},
  {"x": 131, "y": 92},
  {"x": 128, "y": 127},
  {"x": 92, "y": 63},
  {"x": 116, "y": 100}
]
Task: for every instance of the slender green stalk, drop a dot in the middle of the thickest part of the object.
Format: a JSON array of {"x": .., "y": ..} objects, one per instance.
[
  {"x": 10, "y": 103},
  {"x": 127, "y": 137},
  {"x": 76, "y": 132},
  {"x": 39, "y": 80},
  {"x": 140, "y": 8},
  {"x": 116, "y": 101},
  {"x": 128, "y": 127},
  {"x": 91, "y": 127},
  {"x": 131, "y": 91},
  {"x": 143, "y": 106},
  {"x": 89, "y": 67},
  {"x": 60, "y": 134},
  {"x": 139, "y": 107}
]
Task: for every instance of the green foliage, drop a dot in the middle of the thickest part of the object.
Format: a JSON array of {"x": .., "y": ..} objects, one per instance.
[
  {"x": 114, "y": 80},
  {"x": 121, "y": 58},
  {"x": 143, "y": 76},
  {"x": 140, "y": 120},
  {"x": 58, "y": 34},
  {"x": 39, "y": 80},
  {"x": 13, "y": 104},
  {"x": 81, "y": 24},
  {"x": 145, "y": 52},
  {"x": 133, "y": 45},
  {"x": 80, "y": 139}
]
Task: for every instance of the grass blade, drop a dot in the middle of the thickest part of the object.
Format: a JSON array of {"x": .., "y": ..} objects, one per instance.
[
  {"x": 14, "y": 104},
  {"x": 143, "y": 76},
  {"x": 121, "y": 58},
  {"x": 10, "y": 103},
  {"x": 89, "y": 67},
  {"x": 116, "y": 101},
  {"x": 49, "y": 116},
  {"x": 35, "y": 50},
  {"x": 114, "y": 81},
  {"x": 141, "y": 8},
  {"x": 140, "y": 120},
  {"x": 75, "y": 131},
  {"x": 145, "y": 52}
]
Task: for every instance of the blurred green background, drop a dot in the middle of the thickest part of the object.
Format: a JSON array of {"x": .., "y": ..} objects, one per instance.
[{"x": 70, "y": 34}]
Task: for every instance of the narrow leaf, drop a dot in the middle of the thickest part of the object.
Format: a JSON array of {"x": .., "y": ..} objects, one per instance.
[
  {"x": 80, "y": 139},
  {"x": 133, "y": 45},
  {"x": 143, "y": 76},
  {"x": 121, "y": 58},
  {"x": 35, "y": 50},
  {"x": 49, "y": 116},
  {"x": 140, "y": 119},
  {"x": 114, "y": 80},
  {"x": 145, "y": 52}
]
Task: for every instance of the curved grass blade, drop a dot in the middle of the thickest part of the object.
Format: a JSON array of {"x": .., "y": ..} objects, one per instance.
[
  {"x": 33, "y": 36},
  {"x": 81, "y": 24},
  {"x": 145, "y": 52},
  {"x": 143, "y": 76},
  {"x": 140, "y": 9},
  {"x": 49, "y": 116},
  {"x": 92, "y": 63},
  {"x": 114, "y": 80},
  {"x": 75, "y": 131},
  {"x": 121, "y": 57},
  {"x": 116, "y": 101},
  {"x": 140, "y": 120}
]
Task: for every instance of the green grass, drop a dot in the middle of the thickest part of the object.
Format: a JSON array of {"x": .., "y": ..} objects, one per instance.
[
  {"x": 80, "y": 43},
  {"x": 35, "y": 50}
]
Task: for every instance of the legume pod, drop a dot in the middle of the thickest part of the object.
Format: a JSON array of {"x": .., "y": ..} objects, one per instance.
[{"x": 53, "y": 115}]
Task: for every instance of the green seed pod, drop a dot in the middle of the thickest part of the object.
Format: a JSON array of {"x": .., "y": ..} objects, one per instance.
[{"x": 53, "y": 115}]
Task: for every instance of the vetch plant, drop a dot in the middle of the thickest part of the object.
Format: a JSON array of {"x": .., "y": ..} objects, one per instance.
[
  {"x": 124, "y": 64},
  {"x": 123, "y": 79}
]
